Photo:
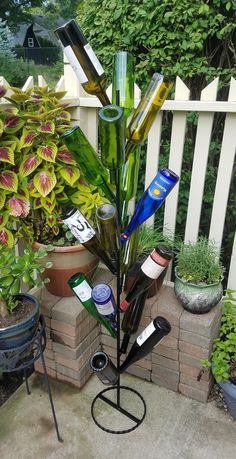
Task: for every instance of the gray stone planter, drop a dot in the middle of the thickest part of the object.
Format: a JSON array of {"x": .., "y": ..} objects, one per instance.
[
  {"x": 229, "y": 391},
  {"x": 197, "y": 299}
]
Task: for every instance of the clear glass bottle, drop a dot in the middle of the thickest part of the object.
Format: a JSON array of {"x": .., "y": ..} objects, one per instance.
[{"x": 123, "y": 81}]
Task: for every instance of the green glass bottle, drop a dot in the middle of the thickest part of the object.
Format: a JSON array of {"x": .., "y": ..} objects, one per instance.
[
  {"x": 146, "y": 111},
  {"x": 83, "y": 60},
  {"x": 129, "y": 253},
  {"x": 129, "y": 181},
  {"x": 123, "y": 81},
  {"x": 108, "y": 229},
  {"x": 112, "y": 138},
  {"x": 82, "y": 288},
  {"x": 86, "y": 157}
]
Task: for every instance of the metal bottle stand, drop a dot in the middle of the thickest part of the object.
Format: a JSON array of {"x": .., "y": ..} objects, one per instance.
[
  {"x": 118, "y": 387},
  {"x": 20, "y": 358}
]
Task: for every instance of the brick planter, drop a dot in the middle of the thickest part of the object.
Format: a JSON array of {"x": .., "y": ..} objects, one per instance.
[{"x": 73, "y": 336}]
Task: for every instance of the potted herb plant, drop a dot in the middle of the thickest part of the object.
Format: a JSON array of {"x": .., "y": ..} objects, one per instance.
[
  {"x": 198, "y": 275},
  {"x": 19, "y": 312},
  {"x": 223, "y": 356},
  {"x": 38, "y": 176}
]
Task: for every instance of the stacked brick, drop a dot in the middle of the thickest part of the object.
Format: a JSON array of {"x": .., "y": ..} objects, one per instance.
[{"x": 72, "y": 336}]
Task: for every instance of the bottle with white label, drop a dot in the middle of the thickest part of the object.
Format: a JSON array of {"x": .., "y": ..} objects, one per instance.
[
  {"x": 82, "y": 289},
  {"x": 83, "y": 231},
  {"x": 83, "y": 60},
  {"x": 104, "y": 301},
  {"x": 150, "y": 270},
  {"x": 144, "y": 343}
]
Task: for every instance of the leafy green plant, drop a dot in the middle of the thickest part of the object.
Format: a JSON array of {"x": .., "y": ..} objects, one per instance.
[
  {"x": 17, "y": 268},
  {"x": 149, "y": 238},
  {"x": 198, "y": 262},
  {"x": 38, "y": 174},
  {"x": 223, "y": 356}
]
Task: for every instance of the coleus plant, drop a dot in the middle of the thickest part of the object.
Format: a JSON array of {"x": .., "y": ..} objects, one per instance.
[{"x": 38, "y": 174}]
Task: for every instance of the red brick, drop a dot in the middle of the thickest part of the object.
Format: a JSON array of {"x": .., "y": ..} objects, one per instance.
[
  {"x": 171, "y": 342},
  {"x": 165, "y": 377},
  {"x": 190, "y": 360},
  {"x": 139, "y": 372},
  {"x": 202, "y": 324},
  {"x": 195, "y": 351},
  {"x": 167, "y": 305},
  {"x": 49, "y": 354},
  {"x": 63, "y": 327},
  {"x": 165, "y": 362},
  {"x": 192, "y": 392},
  {"x": 193, "y": 372},
  {"x": 71, "y": 353},
  {"x": 47, "y": 303},
  {"x": 39, "y": 369},
  {"x": 82, "y": 359},
  {"x": 193, "y": 382},
  {"x": 166, "y": 352}
]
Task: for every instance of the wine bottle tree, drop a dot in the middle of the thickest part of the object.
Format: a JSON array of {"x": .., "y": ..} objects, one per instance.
[{"x": 122, "y": 129}]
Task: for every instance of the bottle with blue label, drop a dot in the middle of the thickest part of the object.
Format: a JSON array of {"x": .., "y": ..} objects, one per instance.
[
  {"x": 151, "y": 200},
  {"x": 104, "y": 301}
]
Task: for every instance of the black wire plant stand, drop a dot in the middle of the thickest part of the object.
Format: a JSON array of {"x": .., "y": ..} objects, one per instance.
[
  {"x": 118, "y": 387},
  {"x": 22, "y": 357}
]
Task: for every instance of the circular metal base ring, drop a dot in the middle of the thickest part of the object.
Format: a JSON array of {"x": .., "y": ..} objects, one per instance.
[{"x": 137, "y": 421}]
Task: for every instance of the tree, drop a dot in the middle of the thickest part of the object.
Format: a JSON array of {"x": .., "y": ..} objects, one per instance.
[
  {"x": 17, "y": 11},
  {"x": 6, "y": 41}
]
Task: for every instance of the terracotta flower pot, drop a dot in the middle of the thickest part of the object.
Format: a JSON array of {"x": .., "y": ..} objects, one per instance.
[{"x": 66, "y": 262}]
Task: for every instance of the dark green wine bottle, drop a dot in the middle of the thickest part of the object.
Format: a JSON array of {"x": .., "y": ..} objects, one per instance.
[
  {"x": 145, "y": 113},
  {"x": 108, "y": 229},
  {"x": 82, "y": 289},
  {"x": 123, "y": 81},
  {"x": 83, "y": 60},
  {"x": 112, "y": 138},
  {"x": 88, "y": 161}
]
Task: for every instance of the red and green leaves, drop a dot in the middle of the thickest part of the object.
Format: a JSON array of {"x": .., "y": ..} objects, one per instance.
[
  {"x": 27, "y": 138},
  {"x": 8, "y": 181},
  {"x": 65, "y": 156},
  {"x": 6, "y": 154},
  {"x": 70, "y": 174},
  {"x": 2, "y": 198},
  {"x": 29, "y": 165},
  {"x": 18, "y": 206},
  {"x": 6, "y": 237},
  {"x": 48, "y": 152},
  {"x": 13, "y": 124},
  {"x": 44, "y": 182},
  {"x": 47, "y": 127}
]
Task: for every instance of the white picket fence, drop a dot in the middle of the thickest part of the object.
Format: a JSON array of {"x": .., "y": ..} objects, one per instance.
[{"x": 84, "y": 111}]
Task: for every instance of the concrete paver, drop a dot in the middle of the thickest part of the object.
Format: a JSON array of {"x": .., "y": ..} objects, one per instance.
[{"x": 175, "y": 427}]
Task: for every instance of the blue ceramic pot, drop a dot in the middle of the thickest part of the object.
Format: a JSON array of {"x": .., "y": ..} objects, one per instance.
[
  {"x": 18, "y": 334},
  {"x": 197, "y": 299},
  {"x": 229, "y": 391}
]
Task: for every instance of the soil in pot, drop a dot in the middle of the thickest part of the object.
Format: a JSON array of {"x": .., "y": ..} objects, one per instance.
[{"x": 24, "y": 309}]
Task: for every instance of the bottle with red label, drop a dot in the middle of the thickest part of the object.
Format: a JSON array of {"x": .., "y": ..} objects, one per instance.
[
  {"x": 150, "y": 270},
  {"x": 151, "y": 200}
]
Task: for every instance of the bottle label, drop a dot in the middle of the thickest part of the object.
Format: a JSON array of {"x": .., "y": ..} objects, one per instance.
[
  {"x": 151, "y": 268},
  {"x": 80, "y": 227},
  {"x": 105, "y": 309},
  {"x": 145, "y": 334},
  {"x": 75, "y": 64},
  {"x": 159, "y": 188},
  {"x": 83, "y": 291},
  {"x": 94, "y": 59}
]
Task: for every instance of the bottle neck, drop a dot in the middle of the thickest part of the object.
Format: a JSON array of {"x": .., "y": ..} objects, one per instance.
[
  {"x": 104, "y": 99},
  {"x": 130, "y": 146}
]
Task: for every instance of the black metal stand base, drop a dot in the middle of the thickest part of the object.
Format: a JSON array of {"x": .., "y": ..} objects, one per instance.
[
  {"x": 22, "y": 357},
  {"x": 118, "y": 407}
]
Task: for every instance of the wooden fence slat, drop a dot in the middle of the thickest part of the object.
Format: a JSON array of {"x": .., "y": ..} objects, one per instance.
[
  {"x": 41, "y": 81},
  {"x": 60, "y": 86},
  {"x": 176, "y": 156},
  {"x": 203, "y": 137},
  {"x": 224, "y": 174},
  {"x": 28, "y": 84},
  {"x": 152, "y": 158},
  {"x": 232, "y": 269}
]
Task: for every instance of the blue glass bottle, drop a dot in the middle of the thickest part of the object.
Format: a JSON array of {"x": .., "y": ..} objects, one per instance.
[
  {"x": 151, "y": 200},
  {"x": 104, "y": 301}
]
